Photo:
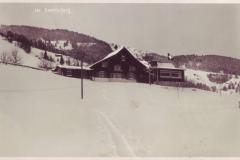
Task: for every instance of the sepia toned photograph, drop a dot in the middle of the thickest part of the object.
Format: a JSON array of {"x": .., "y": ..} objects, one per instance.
[{"x": 110, "y": 80}]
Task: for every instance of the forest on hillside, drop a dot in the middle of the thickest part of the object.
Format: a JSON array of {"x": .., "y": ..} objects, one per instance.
[
  {"x": 209, "y": 63},
  {"x": 42, "y": 38}
]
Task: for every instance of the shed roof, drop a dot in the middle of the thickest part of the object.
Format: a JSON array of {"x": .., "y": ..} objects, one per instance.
[
  {"x": 166, "y": 66},
  {"x": 73, "y": 67}
]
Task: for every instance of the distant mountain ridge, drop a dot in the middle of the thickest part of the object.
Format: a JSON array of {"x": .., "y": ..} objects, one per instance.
[{"x": 209, "y": 63}]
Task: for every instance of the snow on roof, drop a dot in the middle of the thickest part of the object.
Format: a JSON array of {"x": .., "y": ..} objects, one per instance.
[
  {"x": 109, "y": 55},
  {"x": 73, "y": 67},
  {"x": 145, "y": 63},
  {"x": 118, "y": 51},
  {"x": 166, "y": 66}
]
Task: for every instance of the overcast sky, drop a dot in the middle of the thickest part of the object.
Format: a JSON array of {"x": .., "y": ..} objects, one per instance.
[{"x": 161, "y": 28}]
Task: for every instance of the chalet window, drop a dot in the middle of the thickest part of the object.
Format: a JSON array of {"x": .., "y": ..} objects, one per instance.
[
  {"x": 101, "y": 74},
  {"x": 117, "y": 75},
  {"x": 164, "y": 74},
  {"x": 117, "y": 68},
  {"x": 104, "y": 64},
  {"x": 59, "y": 71},
  {"x": 131, "y": 76},
  {"x": 170, "y": 74},
  {"x": 123, "y": 58},
  {"x": 132, "y": 68},
  {"x": 176, "y": 74}
]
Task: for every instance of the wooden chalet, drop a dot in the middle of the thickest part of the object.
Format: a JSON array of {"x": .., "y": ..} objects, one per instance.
[
  {"x": 120, "y": 65},
  {"x": 166, "y": 72}
]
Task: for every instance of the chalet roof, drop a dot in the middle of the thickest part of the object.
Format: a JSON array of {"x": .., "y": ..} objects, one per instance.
[
  {"x": 73, "y": 67},
  {"x": 166, "y": 66},
  {"x": 145, "y": 63},
  {"x": 117, "y": 52}
]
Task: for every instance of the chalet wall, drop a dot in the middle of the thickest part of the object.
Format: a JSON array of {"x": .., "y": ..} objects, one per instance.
[
  {"x": 164, "y": 74},
  {"x": 87, "y": 74}
]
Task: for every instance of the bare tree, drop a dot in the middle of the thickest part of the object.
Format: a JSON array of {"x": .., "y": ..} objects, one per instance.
[
  {"x": 68, "y": 61},
  {"x": 15, "y": 58},
  {"x": 41, "y": 55},
  {"x": 75, "y": 62},
  {"x": 45, "y": 64},
  {"x": 4, "y": 57}
]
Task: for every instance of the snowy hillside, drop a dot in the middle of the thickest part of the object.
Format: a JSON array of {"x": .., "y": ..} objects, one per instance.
[
  {"x": 198, "y": 76},
  {"x": 58, "y": 40},
  {"x": 41, "y": 114},
  {"x": 27, "y": 59},
  {"x": 31, "y": 59}
]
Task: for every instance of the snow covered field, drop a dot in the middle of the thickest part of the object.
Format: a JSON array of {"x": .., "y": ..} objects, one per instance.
[{"x": 42, "y": 114}]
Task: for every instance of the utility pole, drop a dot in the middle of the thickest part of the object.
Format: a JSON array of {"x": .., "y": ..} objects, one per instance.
[
  {"x": 149, "y": 77},
  {"x": 79, "y": 54},
  {"x": 82, "y": 77}
]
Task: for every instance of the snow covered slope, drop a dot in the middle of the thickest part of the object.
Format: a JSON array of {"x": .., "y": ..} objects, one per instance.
[
  {"x": 42, "y": 114},
  {"x": 27, "y": 59},
  {"x": 31, "y": 59},
  {"x": 198, "y": 76}
]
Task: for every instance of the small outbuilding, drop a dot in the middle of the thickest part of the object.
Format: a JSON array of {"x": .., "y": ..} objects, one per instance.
[
  {"x": 74, "y": 71},
  {"x": 166, "y": 72}
]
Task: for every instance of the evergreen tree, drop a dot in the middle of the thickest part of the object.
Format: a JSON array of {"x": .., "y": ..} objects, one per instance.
[
  {"x": 237, "y": 90},
  {"x": 115, "y": 47},
  {"x": 61, "y": 60},
  {"x": 50, "y": 58},
  {"x": 68, "y": 61},
  {"x": 224, "y": 88},
  {"x": 25, "y": 44},
  {"x": 45, "y": 56}
]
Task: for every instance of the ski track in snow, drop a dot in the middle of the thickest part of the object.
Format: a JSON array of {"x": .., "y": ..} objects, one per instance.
[
  {"x": 108, "y": 140},
  {"x": 121, "y": 145}
]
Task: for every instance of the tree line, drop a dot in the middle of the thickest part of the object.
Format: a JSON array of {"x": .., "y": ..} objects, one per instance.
[{"x": 22, "y": 41}]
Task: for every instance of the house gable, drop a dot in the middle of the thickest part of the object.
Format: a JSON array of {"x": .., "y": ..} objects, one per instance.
[
  {"x": 119, "y": 64},
  {"x": 117, "y": 55}
]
